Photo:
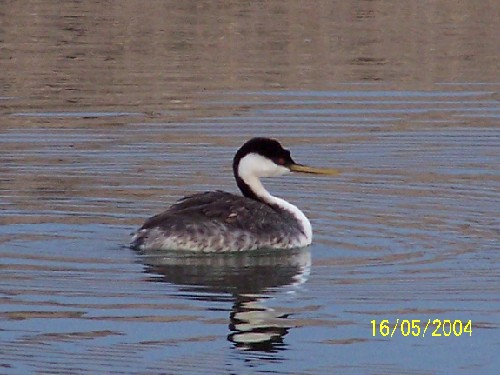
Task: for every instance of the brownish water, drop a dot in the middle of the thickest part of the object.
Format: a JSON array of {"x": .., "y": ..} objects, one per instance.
[{"x": 110, "y": 111}]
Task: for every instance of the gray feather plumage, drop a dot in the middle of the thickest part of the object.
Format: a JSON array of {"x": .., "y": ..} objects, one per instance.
[{"x": 219, "y": 221}]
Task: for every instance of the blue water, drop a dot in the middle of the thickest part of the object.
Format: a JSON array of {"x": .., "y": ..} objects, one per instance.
[{"x": 109, "y": 114}]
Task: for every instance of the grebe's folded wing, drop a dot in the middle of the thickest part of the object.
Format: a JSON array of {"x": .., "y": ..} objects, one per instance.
[{"x": 221, "y": 208}]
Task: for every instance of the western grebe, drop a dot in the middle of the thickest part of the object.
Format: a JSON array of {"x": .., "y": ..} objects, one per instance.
[{"x": 217, "y": 221}]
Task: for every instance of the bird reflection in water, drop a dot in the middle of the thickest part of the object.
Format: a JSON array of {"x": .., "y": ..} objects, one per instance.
[
  {"x": 255, "y": 326},
  {"x": 246, "y": 280}
]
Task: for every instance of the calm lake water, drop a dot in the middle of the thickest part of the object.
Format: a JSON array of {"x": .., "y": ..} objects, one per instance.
[{"x": 111, "y": 111}]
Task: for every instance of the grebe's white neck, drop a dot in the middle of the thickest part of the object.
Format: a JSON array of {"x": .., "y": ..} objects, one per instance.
[{"x": 254, "y": 166}]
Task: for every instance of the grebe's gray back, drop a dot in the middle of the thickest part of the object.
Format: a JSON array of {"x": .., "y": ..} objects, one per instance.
[{"x": 217, "y": 221}]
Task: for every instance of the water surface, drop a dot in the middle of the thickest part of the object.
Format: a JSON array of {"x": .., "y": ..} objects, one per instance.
[{"x": 109, "y": 114}]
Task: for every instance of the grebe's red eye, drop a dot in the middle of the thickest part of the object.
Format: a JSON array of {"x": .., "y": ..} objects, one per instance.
[{"x": 281, "y": 161}]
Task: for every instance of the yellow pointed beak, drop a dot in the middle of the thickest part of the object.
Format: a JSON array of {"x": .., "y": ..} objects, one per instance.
[{"x": 305, "y": 169}]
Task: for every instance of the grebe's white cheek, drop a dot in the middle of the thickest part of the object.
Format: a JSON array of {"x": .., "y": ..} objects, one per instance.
[
  {"x": 259, "y": 166},
  {"x": 282, "y": 170},
  {"x": 275, "y": 170}
]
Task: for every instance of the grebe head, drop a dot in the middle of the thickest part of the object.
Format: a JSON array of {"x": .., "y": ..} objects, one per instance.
[{"x": 265, "y": 157}]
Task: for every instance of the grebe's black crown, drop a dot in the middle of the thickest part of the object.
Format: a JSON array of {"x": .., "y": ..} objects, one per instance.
[{"x": 266, "y": 147}]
